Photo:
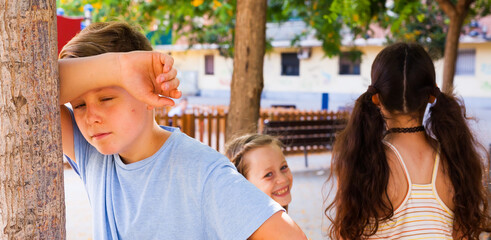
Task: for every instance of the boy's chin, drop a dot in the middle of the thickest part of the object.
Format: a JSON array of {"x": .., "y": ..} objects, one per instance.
[{"x": 106, "y": 151}]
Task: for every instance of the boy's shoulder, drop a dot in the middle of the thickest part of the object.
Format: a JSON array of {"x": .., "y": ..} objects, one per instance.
[
  {"x": 194, "y": 158},
  {"x": 188, "y": 147}
]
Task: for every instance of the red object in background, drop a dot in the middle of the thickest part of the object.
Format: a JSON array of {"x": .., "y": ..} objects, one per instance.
[{"x": 67, "y": 29}]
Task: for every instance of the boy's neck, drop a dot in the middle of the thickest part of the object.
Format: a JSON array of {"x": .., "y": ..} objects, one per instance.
[{"x": 145, "y": 149}]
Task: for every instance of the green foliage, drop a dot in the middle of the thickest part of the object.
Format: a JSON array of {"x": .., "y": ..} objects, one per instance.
[
  {"x": 213, "y": 21},
  {"x": 199, "y": 21},
  {"x": 416, "y": 22},
  {"x": 480, "y": 8},
  {"x": 185, "y": 18},
  {"x": 408, "y": 20},
  {"x": 326, "y": 23}
]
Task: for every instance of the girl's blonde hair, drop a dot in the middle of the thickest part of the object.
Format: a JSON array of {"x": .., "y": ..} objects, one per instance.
[{"x": 238, "y": 147}]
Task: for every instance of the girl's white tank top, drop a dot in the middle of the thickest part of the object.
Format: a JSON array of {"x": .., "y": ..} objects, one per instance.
[{"x": 422, "y": 214}]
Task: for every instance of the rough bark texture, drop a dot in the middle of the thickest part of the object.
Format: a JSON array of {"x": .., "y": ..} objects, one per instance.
[
  {"x": 247, "y": 78},
  {"x": 31, "y": 170},
  {"x": 457, "y": 14}
]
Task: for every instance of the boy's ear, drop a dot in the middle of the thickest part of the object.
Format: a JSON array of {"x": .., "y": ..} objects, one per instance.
[
  {"x": 375, "y": 99},
  {"x": 431, "y": 99}
]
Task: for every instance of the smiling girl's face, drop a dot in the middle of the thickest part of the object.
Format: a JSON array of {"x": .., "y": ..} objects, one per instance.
[{"x": 268, "y": 171}]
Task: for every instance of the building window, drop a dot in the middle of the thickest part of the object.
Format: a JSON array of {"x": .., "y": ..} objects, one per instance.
[
  {"x": 290, "y": 64},
  {"x": 347, "y": 65},
  {"x": 466, "y": 61},
  {"x": 209, "y": 66}
]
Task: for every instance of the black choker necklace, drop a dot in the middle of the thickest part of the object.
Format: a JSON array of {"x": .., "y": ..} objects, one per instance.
[{"x": 406, "y": 130}]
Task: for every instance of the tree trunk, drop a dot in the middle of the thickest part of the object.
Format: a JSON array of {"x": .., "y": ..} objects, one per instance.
[
  {"x": 247, "y": 78},
  {"x": 451, "y": 51},
  {"x": 457, "y": 14},
  {"x": 31, "y": 169}
]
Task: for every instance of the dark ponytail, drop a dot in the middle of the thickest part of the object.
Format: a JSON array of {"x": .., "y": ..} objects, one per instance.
[
  {"x": 462, "y": 162},
  {"x": 359, "y": 163}
]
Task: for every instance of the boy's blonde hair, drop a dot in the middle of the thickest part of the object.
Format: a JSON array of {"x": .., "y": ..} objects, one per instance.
[
  {"x": 104, "y": 37},
  {"x": 238, "y": 147}
]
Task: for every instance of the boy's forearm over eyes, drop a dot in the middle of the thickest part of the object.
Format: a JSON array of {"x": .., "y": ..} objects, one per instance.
[
  {"x": 79, "y": 75},
  {"x": 278, "y": 226},
  {"x": 148, "y": 76}
]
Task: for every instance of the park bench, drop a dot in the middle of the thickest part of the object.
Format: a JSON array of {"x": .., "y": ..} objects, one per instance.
[
  {"x": 286, "y": 106},
  {"x": 305, "y": 134}
]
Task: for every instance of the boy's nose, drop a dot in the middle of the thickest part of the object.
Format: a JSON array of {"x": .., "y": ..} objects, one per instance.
[{"x": 93, "y": 115}]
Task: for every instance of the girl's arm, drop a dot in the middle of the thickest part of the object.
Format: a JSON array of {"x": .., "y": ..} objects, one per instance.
[{"x": 278, "y": 226}]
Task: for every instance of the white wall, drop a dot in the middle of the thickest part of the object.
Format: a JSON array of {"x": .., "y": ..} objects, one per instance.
[
  {"x": 478, "y": 85},
  {"x": 319, "y": 74}
]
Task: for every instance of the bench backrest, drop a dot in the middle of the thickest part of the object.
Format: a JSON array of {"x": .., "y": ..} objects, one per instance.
[{"x": 305, "y": 133}]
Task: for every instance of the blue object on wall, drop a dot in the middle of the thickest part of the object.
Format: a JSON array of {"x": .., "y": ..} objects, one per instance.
[
  {"x": 60, "y": 12},
  {"x": 160, "y": 37},
  {"x": 325, "y": 101},
  {"x": 88, "y": 9}
]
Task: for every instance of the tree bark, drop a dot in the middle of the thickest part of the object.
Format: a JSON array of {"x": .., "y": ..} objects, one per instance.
[
  {"x": 31, "y": 169},
  {"x": 457, "y": 14},
  {"x": 247, "y": 78}
]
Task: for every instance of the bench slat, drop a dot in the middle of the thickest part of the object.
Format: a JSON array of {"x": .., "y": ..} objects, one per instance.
[
  {"x": 306, "y": 133},
  {"x": 276, "y": 132},
  {"x": 298, "y": 133},
  {"x": 310, "y": 123}
]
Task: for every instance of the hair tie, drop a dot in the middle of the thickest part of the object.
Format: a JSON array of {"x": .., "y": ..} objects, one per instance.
[
  {"x": 372, "y": 90},
  {"x": 436, "y": 92}
]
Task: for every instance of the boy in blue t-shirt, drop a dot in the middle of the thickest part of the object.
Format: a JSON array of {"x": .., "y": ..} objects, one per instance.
[{"x": 145, "y": 181}]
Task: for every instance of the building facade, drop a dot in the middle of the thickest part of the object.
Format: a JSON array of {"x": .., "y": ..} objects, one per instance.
[{"x": 305, "y": 77}]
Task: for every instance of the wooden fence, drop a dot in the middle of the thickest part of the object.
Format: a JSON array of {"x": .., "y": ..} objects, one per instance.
[{"x": 207, "y": 123}]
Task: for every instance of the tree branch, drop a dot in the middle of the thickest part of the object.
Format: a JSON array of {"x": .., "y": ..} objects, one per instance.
[
  {"x": 448, "y": 7},
  {"x": 463, "y": 6}
]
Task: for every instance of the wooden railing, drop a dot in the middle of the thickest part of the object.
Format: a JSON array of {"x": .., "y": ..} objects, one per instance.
[{"x": 207, "y": 123}]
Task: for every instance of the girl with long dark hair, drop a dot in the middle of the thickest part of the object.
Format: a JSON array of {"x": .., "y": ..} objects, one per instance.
[{"x": 398, "y": 179}]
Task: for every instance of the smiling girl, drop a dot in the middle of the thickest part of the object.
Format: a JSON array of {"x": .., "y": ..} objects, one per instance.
[{"x": 260, "y": 159}]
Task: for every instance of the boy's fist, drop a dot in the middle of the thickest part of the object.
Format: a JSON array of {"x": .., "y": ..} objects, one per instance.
[{"x": 149, "y": 77}]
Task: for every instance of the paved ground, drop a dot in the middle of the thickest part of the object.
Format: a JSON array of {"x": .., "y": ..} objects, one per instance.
[
  {"x": 78, "y": 212},
  {"x": 308, "y": 193}
]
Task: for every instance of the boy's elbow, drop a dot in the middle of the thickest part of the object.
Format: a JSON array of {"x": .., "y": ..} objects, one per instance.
[
  {"x": 278, "y": 226},
  {"x": 67, "y": 132}
]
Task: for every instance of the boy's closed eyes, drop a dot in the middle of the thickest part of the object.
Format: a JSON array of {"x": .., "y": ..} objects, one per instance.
[{"x": 110, "y": 119}]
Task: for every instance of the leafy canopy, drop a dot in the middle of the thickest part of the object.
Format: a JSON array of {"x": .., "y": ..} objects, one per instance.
[{"x": 213, "y": 21}]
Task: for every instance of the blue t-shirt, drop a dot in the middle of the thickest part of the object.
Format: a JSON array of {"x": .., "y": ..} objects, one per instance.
[{"x": 186, "y": 190}]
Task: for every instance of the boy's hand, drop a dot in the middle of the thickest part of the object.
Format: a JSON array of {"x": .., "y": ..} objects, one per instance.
[{"x": 149, "y": 77}]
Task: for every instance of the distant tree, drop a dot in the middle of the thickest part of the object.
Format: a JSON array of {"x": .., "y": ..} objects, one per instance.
[
  {"x": 247, "y": 79},
  {"x": 32, "y": 202},
  {"x": 457, "y": 12}
]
